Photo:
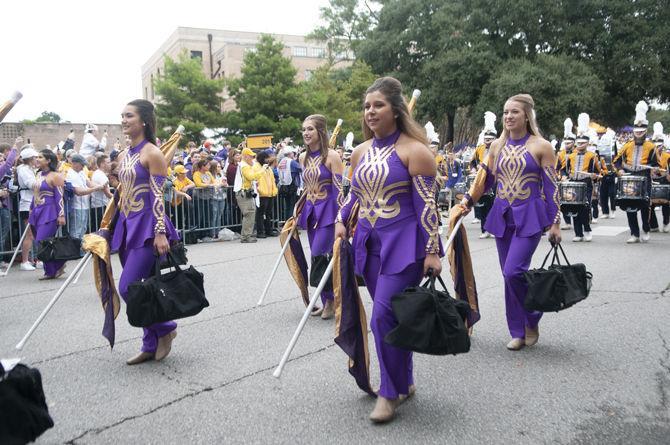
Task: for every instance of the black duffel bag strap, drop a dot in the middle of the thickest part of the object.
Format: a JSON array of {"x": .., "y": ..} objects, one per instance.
[
  {"x": 552, "y": 249},
  {"x": 169, "y": 262},
  {"x": 565, "y": 257}
]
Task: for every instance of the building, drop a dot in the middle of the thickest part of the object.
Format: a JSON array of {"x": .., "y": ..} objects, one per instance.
[
  {"x": 222, "y": 54},
  {"x": 42, "y": 134}
]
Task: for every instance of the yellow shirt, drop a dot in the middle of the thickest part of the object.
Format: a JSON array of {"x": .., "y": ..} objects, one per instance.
[
  {"x": 65, "y": 167},
  {"x": 180, "y": 185},
  {"x": 203, "y": 179},
  {"x": 249, "y": 174},
  {"x": 267, "y": 187}
]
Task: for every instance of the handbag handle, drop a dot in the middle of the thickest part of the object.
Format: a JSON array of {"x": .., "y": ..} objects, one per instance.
[
  {"x": 552, "y": 249},
  {"x": 564, "y": 255},
  {"x": 430, "y": 283},
  {"x": 171, "y": 261}
]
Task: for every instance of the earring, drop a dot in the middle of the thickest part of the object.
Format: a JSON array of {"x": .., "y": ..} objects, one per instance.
[{"x": 144, "y": 125}]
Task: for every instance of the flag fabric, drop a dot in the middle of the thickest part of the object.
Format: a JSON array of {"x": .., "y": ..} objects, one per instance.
[
  {"x": 98, "y": 244},
  {"x": 460, "y": 261},
  {"x": 351, "y": 325},
  {"x": 294, "y": 254}
]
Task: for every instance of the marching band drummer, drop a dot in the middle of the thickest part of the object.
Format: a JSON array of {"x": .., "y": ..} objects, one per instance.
[
  {"x": 568, "y": 146},
  {"x": 481, "y": 152},
  {"x": 662, "y": 177},
  {"x": 631, "y": 158},
  {"x": 582, "y": 165},
  {"x": 608, "y": 179}
]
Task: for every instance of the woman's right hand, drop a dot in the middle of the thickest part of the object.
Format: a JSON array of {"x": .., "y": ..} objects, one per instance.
[
  {"x": 465, "y": 209},
  {"x": 340, "y": 231}
]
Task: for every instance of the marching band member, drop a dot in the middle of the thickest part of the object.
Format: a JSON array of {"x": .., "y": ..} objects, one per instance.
[
  {"x": 568, "y": 146},
  {"x": 521, "y": 165},
  {"x": 581, "y": 165},
  {"x": 489, "y": 134},
  {"x": 143, "y": 229},
  {"x": 396, "y": 241},
  {"x": 608, "y": 179},
  {"x": 47, "y": 211},
  {"x": 663, "y": 177},
  {"x": 631, "y": 158},
  {"x": 322, "y": 178}
]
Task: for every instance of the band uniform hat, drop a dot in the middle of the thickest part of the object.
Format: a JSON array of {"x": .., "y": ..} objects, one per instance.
[
  {"x": 641, "y": 123},
  {"x": 583, "y": 134},
  {"x": 249, "y": 152},
  {"x": 490, "y": 125},
  {"x": 567, "y": 130}
]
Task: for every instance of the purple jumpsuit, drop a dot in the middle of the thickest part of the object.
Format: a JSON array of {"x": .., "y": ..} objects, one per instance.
[
  {"x": 140, "y": 213},
  {"x": 526, "y": 204},
  {"x": 45, "y": 209},
  {"x": 320, "y": 211},
  {"x": 397, "y": 227}
]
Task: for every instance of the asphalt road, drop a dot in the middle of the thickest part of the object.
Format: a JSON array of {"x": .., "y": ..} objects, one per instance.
[{"x": 599, "y": 374}]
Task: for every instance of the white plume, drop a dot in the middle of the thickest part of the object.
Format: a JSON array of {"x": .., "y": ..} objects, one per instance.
[
  {"x": 608, "y": 137},
  {"x": 567, "y": 128},
  {"x": 490, "y": 122},
  {"x": 480, "y": 138},
  {"x": 339, "y": 123},
  {"x": 349, "y": 141},
  {"x": 416, "y": 94},
  {"x": 431, "y": 134},
  {"x": 583, "y": 121},
  {"x": 593, "y": 136},
  {"x": 658, "y": 130},
  {"x": 641, "y": 113}
]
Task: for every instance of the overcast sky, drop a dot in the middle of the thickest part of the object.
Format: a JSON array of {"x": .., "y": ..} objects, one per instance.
[{"x": 82, "y": 59}]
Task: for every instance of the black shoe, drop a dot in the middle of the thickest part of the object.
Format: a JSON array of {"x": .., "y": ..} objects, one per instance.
[
  {"x": 261, "y": 235},
  {"x": 274, "y": 233}
]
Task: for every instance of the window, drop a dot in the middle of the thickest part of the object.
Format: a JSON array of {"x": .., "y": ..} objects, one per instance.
[
  {"x": 319, "y": 52},
  {"x": 196, "y": 55},
  {"x": 300, "y": 51}
]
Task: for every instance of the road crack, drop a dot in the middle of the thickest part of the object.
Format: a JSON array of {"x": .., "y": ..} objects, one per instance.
[{"x": 190, "y": 395}]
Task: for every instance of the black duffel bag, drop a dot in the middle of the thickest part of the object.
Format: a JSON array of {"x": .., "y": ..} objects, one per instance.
[
  {"x": 164, "y": 297},
  {"x": 24, "y": 413},
  {"x": 558, "y": 287},
  {"x": 429, "y": 321},
  {"x": 319, "y": 266},
  {"x": 59, "y": 248},
  {"x": 178, "y": 251}
]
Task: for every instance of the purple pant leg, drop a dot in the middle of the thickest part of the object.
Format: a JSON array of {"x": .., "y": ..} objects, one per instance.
[
  {"x": 515, "y": 254},
  {"x": 137, "y": 264},
  {"x": 42, "y": 232},
  {"x": 395, "y": 364}
]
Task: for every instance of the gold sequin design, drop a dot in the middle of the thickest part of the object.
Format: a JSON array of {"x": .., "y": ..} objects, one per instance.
[
  {"x": 553, "y": 179},
  {"x": 316, "y": 189},
  {"x": 130, "y": 200},
  {"x": 38, "y": 193},
  {"x": 158, "y": 207},
  {"x": 370, "y": 177},
  {"x": 513, "y": 181},
  {"x": 425, "y": 187},
  {"x": 337, "y": 181}
]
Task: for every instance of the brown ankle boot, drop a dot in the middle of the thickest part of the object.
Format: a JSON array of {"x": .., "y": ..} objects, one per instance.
[
  {"x": 164, "y": 345},
  {"x": 515, "y": 344},
  {"x": 328, "y": 310},
  {"x": 532, "y": 335},
  {"x": 140, "y": 358},
  {"x": 384, "y": 410}
]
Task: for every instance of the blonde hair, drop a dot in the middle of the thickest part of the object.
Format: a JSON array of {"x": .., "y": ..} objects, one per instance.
[
  {"x": 320, "y": 125},
  {"x": 391, "y": 88},
  {"x": 528, "y": 106}
]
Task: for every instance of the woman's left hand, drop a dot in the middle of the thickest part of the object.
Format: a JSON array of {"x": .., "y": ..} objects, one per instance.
[
  {"x": 60, "y": 221},
  {"x": 554, "y": 235},
  {"x": 432, "y": 261},
  {"x": 161, "y": 244}
]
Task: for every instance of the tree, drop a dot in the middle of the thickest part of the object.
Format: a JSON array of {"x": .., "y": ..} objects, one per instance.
[
  {"x": 267, "y": 95},
  {"x": 560, "y": 88},
  {"x": 658, "y": 115},
  {"x": 347, "y": 23},
  {"x": 187, "y": 97},
  {"x": 48, "y": 116},
  {"x": 338, "y": 94}
]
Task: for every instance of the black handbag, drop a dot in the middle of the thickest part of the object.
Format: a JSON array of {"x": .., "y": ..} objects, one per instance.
[
  {"x": 164, "y": 297},
  {"x": 558, "y": 287},
  {"x": 429, "y": 321},
  {"x": 25, "y": 415},
  {"x": 319, "y": 266},
  {"x": 59, "y": 248}
]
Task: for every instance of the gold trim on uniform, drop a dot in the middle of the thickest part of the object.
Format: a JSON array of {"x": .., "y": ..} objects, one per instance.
[
  {"x": 128, "y": 201},
  {"x": 315, "y": 188},
  {"x": 428, "y": 218},
  {"x": 553, "y": 177},
  {"x": 370, "y": 177},
  {"x": 38, "y": 193},
  {"x": 512, "y": 180},
  {"x": 158, "y": 207}
]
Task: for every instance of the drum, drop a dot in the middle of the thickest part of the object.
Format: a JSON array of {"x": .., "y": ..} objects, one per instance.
[
  {"x": 572, "y": 197},
  {"x": 632, "y": 193},
  {"x": 660, "y": 194}
]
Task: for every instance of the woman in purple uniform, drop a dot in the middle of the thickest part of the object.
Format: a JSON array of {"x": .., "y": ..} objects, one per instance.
[
  {"x": 322, "y": 176},
  {"x": 47, "y": 210},
  {"x": 521, "y": 166},
  {"x": 396, "y": 241},
  {"x": 142, "y": 230}
]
